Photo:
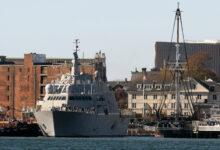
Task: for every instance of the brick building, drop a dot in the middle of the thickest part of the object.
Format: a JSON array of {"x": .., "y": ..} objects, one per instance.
[
  {"x": 23, "y": 80},
  {"x": 163, "y": 49}
]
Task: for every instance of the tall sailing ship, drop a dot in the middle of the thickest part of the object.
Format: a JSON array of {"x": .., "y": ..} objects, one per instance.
[
  {"x": 80, "y": 105},
  {"x": 179, "y": 125}
]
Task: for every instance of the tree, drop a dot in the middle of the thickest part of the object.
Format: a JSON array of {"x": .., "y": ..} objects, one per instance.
[
  {"x": 122, "y": 98},
  {"x": 197, "y": 66}
]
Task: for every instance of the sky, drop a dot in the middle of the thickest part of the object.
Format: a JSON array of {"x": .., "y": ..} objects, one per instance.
[{"x": 125, "y": 30}]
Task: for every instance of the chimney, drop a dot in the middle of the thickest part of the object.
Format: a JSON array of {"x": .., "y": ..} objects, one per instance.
[
  {"x": 144, "y": 70},
  {"x": 126, "y": 80},
  {"x": 144, "y": 73},
  {"x": 135, "y": 69}
]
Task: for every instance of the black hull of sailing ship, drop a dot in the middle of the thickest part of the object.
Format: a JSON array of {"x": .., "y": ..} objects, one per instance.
[
  {"x": 175, "y": 129},
  {"x": 183, "y": 129}
]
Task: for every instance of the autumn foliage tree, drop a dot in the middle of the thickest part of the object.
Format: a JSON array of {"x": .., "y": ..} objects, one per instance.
[
  {"x": 122, "y": 98},
  {"x": 197, "y": 66}
]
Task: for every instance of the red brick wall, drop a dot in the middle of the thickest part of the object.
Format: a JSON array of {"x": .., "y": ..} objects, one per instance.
[{"x": 5, "y": 88}]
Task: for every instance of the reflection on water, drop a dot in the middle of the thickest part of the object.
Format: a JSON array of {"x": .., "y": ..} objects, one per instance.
[{"x": 123, "y": 143}]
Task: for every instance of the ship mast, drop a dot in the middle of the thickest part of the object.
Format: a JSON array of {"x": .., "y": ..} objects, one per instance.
[
  {"x": 75, "y": 68},
  {"x": 177, "y": 66}
]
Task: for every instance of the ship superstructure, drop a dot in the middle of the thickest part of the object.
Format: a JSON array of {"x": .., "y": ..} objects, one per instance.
[{"x": 80, "y": 105}]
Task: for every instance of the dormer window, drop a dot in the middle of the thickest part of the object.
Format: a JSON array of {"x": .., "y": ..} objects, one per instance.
[
  {"x": 147, "y": 86},
  {"x": 157, "y": 86},
  {"x": 139, "y": 86}
]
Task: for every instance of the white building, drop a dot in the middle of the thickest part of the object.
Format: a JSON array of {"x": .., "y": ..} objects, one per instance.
[{"x": 160, "y": 96}]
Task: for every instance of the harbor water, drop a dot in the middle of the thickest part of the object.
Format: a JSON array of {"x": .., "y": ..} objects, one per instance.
[{"x": 122, "y": 143}]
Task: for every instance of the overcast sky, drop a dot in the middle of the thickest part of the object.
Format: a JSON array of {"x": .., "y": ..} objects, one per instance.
[{"x": 125, "y": 30}]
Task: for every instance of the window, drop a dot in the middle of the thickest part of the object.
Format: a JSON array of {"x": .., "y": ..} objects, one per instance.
[
  {"x": 214, "y": 97},
  {"x": 186, "y": 96},
  {"x": 145, "y": 104},
  {"x": 172, "y": 105},
  {"x": 139, "y": 86},
  {"x": 173, "y": 96},
  {"x": 155, "y": 96},
  {"x": 8, "y": 69},
  {"x": 8, "y": 98},
  {"x": 133, "y": 96},
  {"x": 8, "y": 78},
  {"x": 172, "y": 113},
  {"x": 8, "y": 107},
  {"x": 20, "y": 70},
  {"x": 155, "y": 105},
  {"x": 133, "y": 105},
  {"x": 186, "y": 105},
  {"x": 193, "y": 86},
  {"x": 186, "y": 113},
  {"x": 165, "y": 105},
  {"x": 82, "y": 98},
  {"x": 8, "y": 88},
  {"x": 147, "y": 87},
  {"x": 145, "y": 96},
  {"x": 157, "y": 87},
  {"x": 199, "y": 96},
  {"x": 165, "y": 96}
]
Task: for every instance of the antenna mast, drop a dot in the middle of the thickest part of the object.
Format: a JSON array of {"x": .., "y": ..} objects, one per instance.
[{"x": 75, "y": 69}]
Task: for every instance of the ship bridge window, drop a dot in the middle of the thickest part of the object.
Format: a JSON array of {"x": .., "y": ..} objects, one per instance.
[
  {"x": 84, "y": 97},
  {"x": 101, "y": 99},
  {"x": 56, "y": 98},
  {"x": 88, "y": 82},
  {"x": 64, "y": 89}
]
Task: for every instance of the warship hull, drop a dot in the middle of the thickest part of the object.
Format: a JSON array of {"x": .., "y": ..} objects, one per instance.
[{"x": 80, "y": 124}]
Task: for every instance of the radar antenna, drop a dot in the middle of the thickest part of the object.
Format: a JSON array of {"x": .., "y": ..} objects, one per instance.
[{"x": 75, "y": 68}]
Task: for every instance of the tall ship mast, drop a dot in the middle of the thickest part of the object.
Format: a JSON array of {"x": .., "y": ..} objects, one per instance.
[
  {"x": 179, "y": 126},
  {"x": 78, "y": 105},
  {"x": 177, "y": 66}
]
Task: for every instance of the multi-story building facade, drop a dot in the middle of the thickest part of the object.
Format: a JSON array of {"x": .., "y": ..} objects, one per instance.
[
  {"x": 23, "y": 80},
  {"x": 152, "y": 94},
  {"x": 163, "y": 49}
]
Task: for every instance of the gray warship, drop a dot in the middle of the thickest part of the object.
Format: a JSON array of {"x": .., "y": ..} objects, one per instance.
[{"x": 80, "y": 105}]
